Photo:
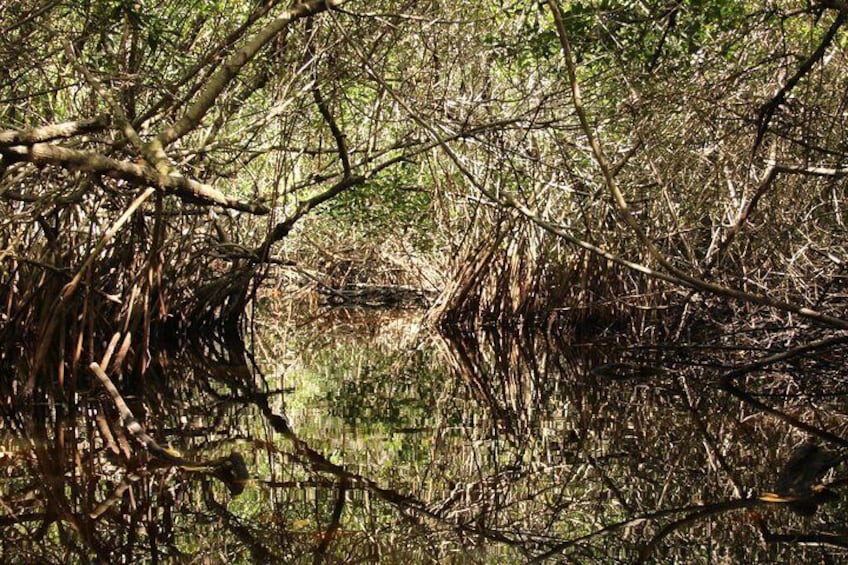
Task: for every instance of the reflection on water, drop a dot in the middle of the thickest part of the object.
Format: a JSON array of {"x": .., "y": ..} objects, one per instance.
[{"x": 369, "y": 439}]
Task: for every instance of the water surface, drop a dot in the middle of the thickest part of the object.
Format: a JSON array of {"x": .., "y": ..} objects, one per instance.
[{"x": 370, "y": 438}]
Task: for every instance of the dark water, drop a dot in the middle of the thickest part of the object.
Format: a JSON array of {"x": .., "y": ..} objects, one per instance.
[{"x": 371, "y": 440}]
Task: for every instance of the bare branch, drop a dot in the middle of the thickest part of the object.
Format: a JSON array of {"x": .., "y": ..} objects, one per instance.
[
  {"x": 809, "y": 171},
  {"x": 63, "y": 130},
  {"x": 143, "y": 175},
  {"x": 338, "y": 136},
  {"x": 624, "y": 208},
  {"x": 233, "y": 65},
  {"x": 768, "y": 109}
]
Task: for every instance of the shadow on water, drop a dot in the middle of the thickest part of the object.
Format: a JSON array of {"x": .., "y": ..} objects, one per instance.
[{"x": 367, "y": 439}]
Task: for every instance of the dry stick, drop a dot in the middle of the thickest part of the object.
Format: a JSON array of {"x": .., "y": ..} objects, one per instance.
[{"x": 624, "y": 207}]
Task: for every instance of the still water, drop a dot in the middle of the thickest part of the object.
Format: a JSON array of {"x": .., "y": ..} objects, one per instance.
[{"x": 370, "y": 438}]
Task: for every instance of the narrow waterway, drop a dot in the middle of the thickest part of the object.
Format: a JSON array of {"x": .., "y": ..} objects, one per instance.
[{"x": 369, "y": 438}]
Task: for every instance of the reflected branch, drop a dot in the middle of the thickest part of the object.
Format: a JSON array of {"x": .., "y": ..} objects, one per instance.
[
  {"x": 727, "y": 383},
  {"x": 333, "y": 526}
]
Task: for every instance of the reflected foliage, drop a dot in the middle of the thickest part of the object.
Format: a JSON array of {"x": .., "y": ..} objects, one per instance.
[{"x": 368, "y": 439}]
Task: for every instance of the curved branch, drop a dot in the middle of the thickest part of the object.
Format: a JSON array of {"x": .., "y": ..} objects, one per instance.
[
  {"x": 233, "y": 65},
  {"x": 769, "y": 108},
  {"x": 624, "y": 208},
  {"x": 282, "y": 229},
  {"x": 143, "y": 175},
  {"x": 338, "y": 136},
  {"x": 9, "y": 138}
]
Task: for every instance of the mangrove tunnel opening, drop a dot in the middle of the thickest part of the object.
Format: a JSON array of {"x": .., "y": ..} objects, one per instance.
[{"x": 342, "y": 281}]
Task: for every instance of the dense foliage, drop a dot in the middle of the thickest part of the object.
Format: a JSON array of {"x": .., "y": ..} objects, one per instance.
[
  {"x": 705, "y": 142},
  {"x": 666, "y": 169}
]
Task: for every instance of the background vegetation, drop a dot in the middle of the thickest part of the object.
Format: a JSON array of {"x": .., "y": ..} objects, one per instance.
[
  {"x": 672, "y": 170},
  {"x": 604, "y": 158}
]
